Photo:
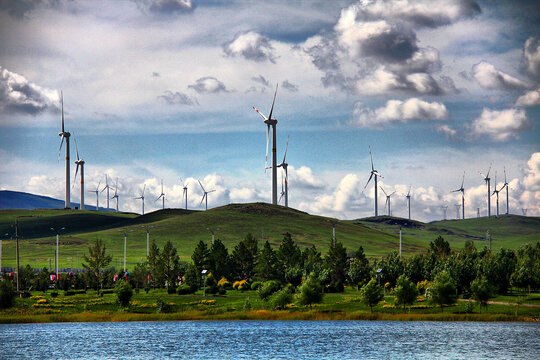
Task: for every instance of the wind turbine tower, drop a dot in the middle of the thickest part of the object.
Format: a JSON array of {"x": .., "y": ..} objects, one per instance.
[
  {"x": 162, "y": 196},
  {"x": 115, "y": 196},
  {"x": 205, "y": 195},
  {"x": 409, "y": 201},
  {"x": 107, "y": 187},
  {"x": 184, "y": 194},
  {"x": 142, "y": 198},
  {"x": 387, "y": 200},
  {"x": 506, "y": 184},
  {"x": 97, "y": 195},
  {"x": 444, "y": 208},
  {"x": 284, "y": 166},
  {"x": 373, "y": 172},
  {"x": 79, "y": 162},
  {"x": 269, "y": 121},
  {"x": 487, "y": 179},
  {"x": 462, "y": 189},
  {"x": 65, "y": 135},
  {"x": 458, "y": 206},
  {"x": 496, "y": 192}
]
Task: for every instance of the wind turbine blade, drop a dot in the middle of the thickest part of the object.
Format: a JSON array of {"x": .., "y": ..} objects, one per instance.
[
  {"x": 75, "y": 178},
  {"x": 488, "y": 170},
  {"x": 409, "y": 192},
  {"x": 273, "y": 101},
  {"x": 286, "y": 147},
  {"x": 505, "y": 182},
  {"x": 201, "y": 186},
  {"x": 365, "y": 186},
  {"x": 371, "y": 157},
  {"x": 392, "y": 193},
  {"x": 162, "y": 186},
  {"x": 258, "y": 112},
  {"x": 116, "y": 187},
  {"x": 99, "y": 183},
  {"x": 462, "y": 180},
  {"x": 210, "y": 191},
  {"x": 62, "y": 101},
  {"x": 144, "y": 188},
  {"x": 204, "y": 195},
  {"x": 61, "y": 142},
  {"x": 383, "y": 190},
  {"x": 76, "y": 148}
]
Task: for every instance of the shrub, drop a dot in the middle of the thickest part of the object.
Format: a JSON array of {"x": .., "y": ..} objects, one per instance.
[
  {"x": 162, "y": 307},
  {"x": 469, "y": 307},
  {"x": 481, "y": 291},
  {"x": 7, "y": 294},
  {"x": 268, "y": 288},
  {"x": 69, "y": 293},
  {"x": 241, "y": 285},
  {"x": 421, "y": 286},
  {"x": 54, "y": 294},
  {"x": 171, "y": 290},
  {"x": 405, "y": 291},
  {"x": 247, "y": 304},
  {"x": 147, "y": 289},
  {"x": 123, "y": 292},
  {"x": 442, "y": 290},
  {"x": 310, "y": 292},
  {"x": 184, "y": 289},
  {"x": 223, "y": 283},
  {"x": 371, "y": 294},
  {"x": 255, "y": 285},
  {"x": 281, "y": 298}
]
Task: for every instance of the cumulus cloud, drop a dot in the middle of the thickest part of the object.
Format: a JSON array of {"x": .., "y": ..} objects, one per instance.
[
  {"x": 530, "y": 198},
  {"x": 500, "y": 125},
  {"x": 303, "y": 178},
  {"x": 531, "y": 56},
  {"x": 394, "y": 111},
  {"x": 490, "y": 78},
  {"x": 531, "y": 98},
  {"x": 167, "y": 7},
  {"x": 208, "y": 85},
  {"x": 177, "y": 98},
  {"x": 251, "y": 46},
  {"x": 289, "y": 86},
  {"x": 18, "y": 95},
  {"x": 447, "y": 130}
]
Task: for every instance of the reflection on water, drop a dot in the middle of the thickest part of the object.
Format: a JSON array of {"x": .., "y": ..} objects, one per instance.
[{"x": 271, "y": 340}]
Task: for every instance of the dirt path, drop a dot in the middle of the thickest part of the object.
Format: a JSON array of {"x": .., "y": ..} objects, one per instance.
[{"x": 505, "y": 303}]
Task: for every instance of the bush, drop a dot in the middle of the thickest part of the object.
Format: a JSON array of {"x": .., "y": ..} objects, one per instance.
[
  {"x": 69, "y": 293},
  {"x": 268, "y": 288},
  {"x": 224, "y": 283},
  {"x": 123, "y": 292},
  {"x": 162, "y": 307},
  {"x": 147, "y": 289},
  {"x": 371, "y": 294},
  {"x": 281, "y": 298},
  {"x": 247, "y": 304},
  {"x": 405, "y": 291},
  {"x": 241, "y": 285},
  {"x": 7, "y": 294},
  {"x": 184, "y": 289},
  {"x": 310, "y": 292},
  {"x": 171, "y": 290},
  {"x": 442, "y": 291},
  {"x": 54, "y": 294},
  {"x": 255, "y": 285}
]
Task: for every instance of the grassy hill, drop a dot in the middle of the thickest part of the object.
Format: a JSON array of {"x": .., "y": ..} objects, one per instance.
[{"x": 378, "y": 236}]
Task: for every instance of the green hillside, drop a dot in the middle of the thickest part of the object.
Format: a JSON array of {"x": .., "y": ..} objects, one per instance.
[{"x": 378, "y": 236}]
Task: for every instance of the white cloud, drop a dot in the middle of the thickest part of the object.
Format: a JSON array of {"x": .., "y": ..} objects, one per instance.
[
  {"x": 530, "y": 198},
  {"x": 500, "y": 125},
  {"x": 447, "y": 130},
  {"x": 490, "y": 78},
  {"x": 177, "y": 98},
  {"x": 531, "y": 98},
  {"x": 208, "y": 85},
  {"x": 531, "y": 56},
  {"x": 251, "y": 46},
  {"x": 412, "y": 109}
]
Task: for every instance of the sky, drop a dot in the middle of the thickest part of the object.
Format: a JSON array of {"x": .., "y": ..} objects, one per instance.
[{"x": 164, "y": 90}]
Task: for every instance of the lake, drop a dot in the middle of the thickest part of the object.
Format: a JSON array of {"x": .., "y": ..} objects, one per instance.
[{"x": 271, "y": 340}]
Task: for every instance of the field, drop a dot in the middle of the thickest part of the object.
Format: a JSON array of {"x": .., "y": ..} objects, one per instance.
[
  {"x": 379, "y": 236},
  {"x": 42, "y": 307}
]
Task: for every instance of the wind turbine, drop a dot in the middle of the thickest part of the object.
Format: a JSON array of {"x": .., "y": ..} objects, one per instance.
[
  {"x": 115, "y": 196},
  {"x": 506, "y": 184},
  {"x": 205, "y": 195},
  {"x": 97, "y": 194},
  {"x": 462, "y": 189},
  {"x": 162, "y": 195},
  {"x": 184, "y": 194},
  {"x": 387, "y": 200},
  {"x": 65, "y": 135},
  {"x": 282, "y": 193},
  {"x": 142, "y": 198},
  {"x": 271, "y": 122},
  {"x": 79, "y": 162},
  {"x": 284, "y": 166},
  {"x": 444, "y": 207},
  {"x": 458, "y": 206},
  {"x": 107, "y": 187},
  {"x": 373, "y": 172},
  {"x": 409, "y": 201},
  {"x": 496, "y": 192},
  {"x": 487, "y": 179}
]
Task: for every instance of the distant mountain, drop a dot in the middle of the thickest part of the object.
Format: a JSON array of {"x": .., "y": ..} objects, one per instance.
[{"x": 21, "y": 200}]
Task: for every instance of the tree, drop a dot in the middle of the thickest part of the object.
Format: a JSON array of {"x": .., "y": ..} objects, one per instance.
[
  {"x": 7, "y": 294},
  {"x": 243, "y": 260},
  {"x": 414, "y": 268},
  {"x": 154, "y": 264},
  {"x": 440, "y": 247},
  {"x": 310, "y": 292},
  {"x": 527, "y": 273},
  {"x": 312, "y": 260},
  {"x": 138, "y": 275},
  {"x": 371, "y": 294},
  {"x": 392, "y": 267},
  {"x": 170, "y": 264},
  {"x": 442, "y": 291},
  {"x": 498, "y": 268},
  {"x": 405, "y": 291},
  {"x": 200, "y": 258},
  {"x": 481, "y": 291},
  {"x": 266, "y": 263},
  {"x": 336, "y": 262},
  {"x": 358, "y": 272},
  {"x": 123, "y": 292},
  {"x": 218, "y": 260},
  {"x": 192, "y": 277},
  {"x": 289, "y": 253},
  {"x": 96, "y": 262}
]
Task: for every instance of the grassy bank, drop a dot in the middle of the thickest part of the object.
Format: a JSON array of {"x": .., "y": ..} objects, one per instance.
[{"x": 236, "y": 305}]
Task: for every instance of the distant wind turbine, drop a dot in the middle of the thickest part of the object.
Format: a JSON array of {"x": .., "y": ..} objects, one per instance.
[
  {"x": 107, "y": 187},
  {"x": 409, "y": 201},
  {"x": 97, "y": 194},
  {"x": 65, "y": 135},
  {"x": 487, "y": 179},
  {"x": 506, "y": 184},
  {"x": 444, "y": 208},
  {"x": 462, "y": 189},
  {"x": 284, "y": 166},
  {"x": 115, "y": 196},
  {"x": 184, "y": 194},
  {"x": 524, "y": 210},
  {"x": 79, "y": 162},
  {"x": 205, "y": 195},
  {"x": 458, "y": 206},
  {"x": 142, "y": 198},
  {"x": 496, "y": 192},
  {"x": 269, "y": 121},
  {"x": 373, "y": 172},
  {"x": 387, "y": 203},
  {"x": 162, "y": 195}
]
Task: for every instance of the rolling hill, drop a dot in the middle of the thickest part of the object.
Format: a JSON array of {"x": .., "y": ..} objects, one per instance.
[
  {"x": 378, "y": 235},
  {"x": 21, "y": 200}
]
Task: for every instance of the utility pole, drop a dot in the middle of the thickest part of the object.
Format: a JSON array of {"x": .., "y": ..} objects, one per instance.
[
  {"x": 400, "y": 241},
  {"x": 212, "y": 231},
  {"x": 57, "y": 258},
  {"x": 17, "y": 251}
]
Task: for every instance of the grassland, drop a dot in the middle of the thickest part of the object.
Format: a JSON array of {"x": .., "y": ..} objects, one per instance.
[
  {"x": 42, "y": 307},
  {"x": 185, "y": 229}
]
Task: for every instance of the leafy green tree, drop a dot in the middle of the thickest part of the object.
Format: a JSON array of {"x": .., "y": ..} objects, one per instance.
[
  {"x": 358, "y": 272},
  {"x": 289, "y": 253},
  {"x": 154, "y": 265},
  {"x": 527, "y": 272},
  {"x": 243, "y": 260},
  {"x": 200, "y": 258},
  {"x": 310, "y": 292},
  {"x": 42, "y": 280},
  {"x": 170, "y": 264},
  {"x": 138, "y": 275},
  {"x": 282, "y": 298},
  {"x": 268, "y": 288},
  {"x": 312, "y": 260},
  {"x": 123, "y": 292},
  {"x": 219, "y": 261},
  {"x": 498, "y": 268},
  {"x": 267, "y": 263},
  {"x": 405, "y": 291},
  {"x": 336, "y": 262},
  {"x": 440, "y": 247},
  {"x": 7, "y": 294},
  {"x": 96, "y": 262},
  {"x": 293, "y": 276},
  {"x": 442, "y": 291},
  {"x": 192, "y": 277},
  {"x": 462, "y": 268},
  {"x": 392, "y": 266},
  {"x": 414, "y": 268},
  {"x": 27, "y": 275},
  {"x": 481, "y": 291},
  {"x": 371, "y": 294}
]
